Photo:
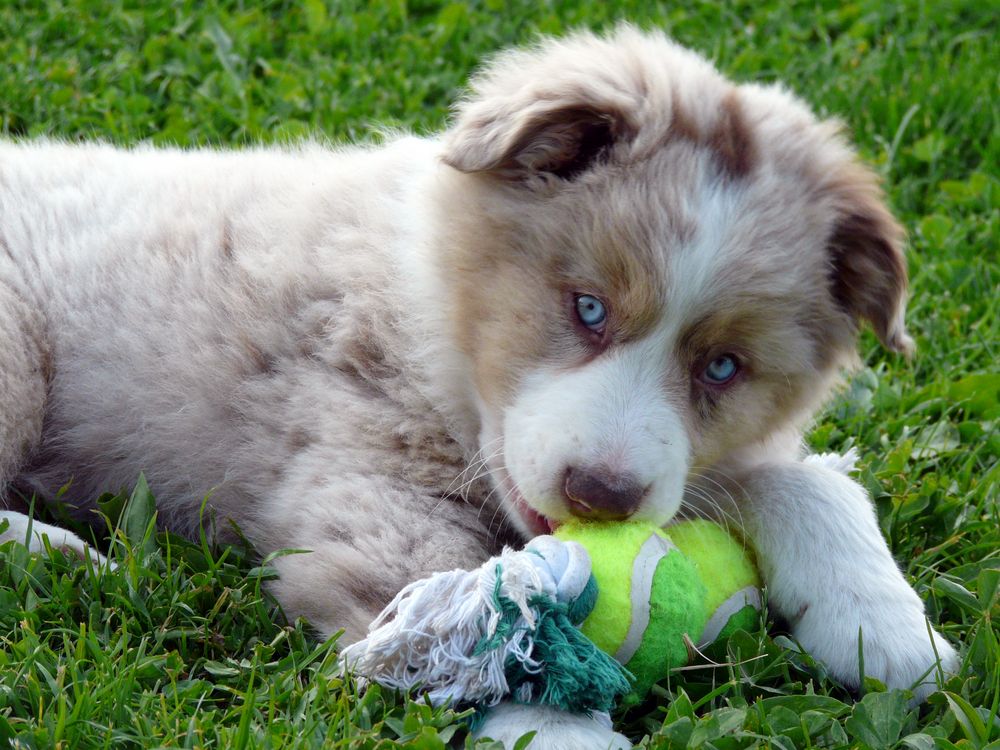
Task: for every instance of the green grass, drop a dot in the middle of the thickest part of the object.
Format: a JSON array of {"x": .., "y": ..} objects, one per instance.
[{"x": 180, "y": 646}]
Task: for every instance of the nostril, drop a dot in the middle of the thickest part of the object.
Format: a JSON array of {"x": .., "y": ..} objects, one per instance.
[{"x": 601, "y": 494}]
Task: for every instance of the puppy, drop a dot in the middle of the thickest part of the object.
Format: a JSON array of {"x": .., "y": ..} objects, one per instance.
[{"x": 617, "y": 286}]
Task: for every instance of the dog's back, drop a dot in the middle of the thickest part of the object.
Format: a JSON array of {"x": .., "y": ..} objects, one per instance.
[{"x": 170, "y": 307}]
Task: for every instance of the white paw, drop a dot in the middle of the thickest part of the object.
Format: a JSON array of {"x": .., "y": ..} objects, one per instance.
[
  {"x": 34, "y": 533},
  {"x": 555, "y": 729},
  {"x": 900, "y": 650},
  {"x": 829, "y": 571}
]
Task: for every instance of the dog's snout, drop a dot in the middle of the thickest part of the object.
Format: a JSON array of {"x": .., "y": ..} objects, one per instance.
[{"x": 602, "y": 495}]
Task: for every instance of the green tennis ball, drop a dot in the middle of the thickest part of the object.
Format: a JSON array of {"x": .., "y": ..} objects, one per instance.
[
  {"x": 657, "y": 593},
  {"x": 649, "y": 597},
  {"x": 727, "y": 567}
]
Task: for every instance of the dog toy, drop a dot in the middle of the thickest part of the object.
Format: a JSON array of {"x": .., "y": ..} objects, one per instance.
[
  {"x": 541, "y": 625},
  {"x": 664, "y": 592},
  {"x": 508, "y": 629}
]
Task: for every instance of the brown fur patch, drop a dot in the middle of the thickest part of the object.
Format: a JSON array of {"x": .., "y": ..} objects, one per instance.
[
  {"x": 632, "y": 277},
  {"x": 226, "y": 242},
  {"x": 299, "y": 440},
  {"x": 5, "y": 247},
  {"x": 508, "y": 326},
  {"x": 335, "y": 532},
  {"x": 366, "y": 354},
  {"x": 563, "y": 137},
  {"x": 513, "y": 291},
  {"x": 262, "y": 363},
  {"x": 729, "y": 137},
  {"x": 564, "y": 142},
  {"x": 784, "y": 372},
  {"x": 731, "y": 140},
  {"x": 46, "y": 365},
  {"x": 369, "y": 592},
  {"x": 682, "y": 126},
  {"x": 734, "y": 328},
  {"x": 870, "y": 271}
]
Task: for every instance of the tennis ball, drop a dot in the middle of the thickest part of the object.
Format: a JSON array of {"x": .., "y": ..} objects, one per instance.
[
  {"x": 659, "y": 589},
  {"x": 730, "y": 574}
]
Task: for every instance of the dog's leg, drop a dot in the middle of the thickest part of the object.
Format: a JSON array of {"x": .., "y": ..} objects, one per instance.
[
  {"x": 370, "y": 542},
  {"x": 24, "y": 373},
  {"x": 829, "y": 572},
  {"x": 33, "y": 534},
  {"x": 361, "y": 540},
  {"x": 554, "y": 729}
]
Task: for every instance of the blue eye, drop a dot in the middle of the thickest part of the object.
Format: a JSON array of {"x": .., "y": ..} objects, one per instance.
[
  {"x": 721, "y": 370},
  {"x": 591, "y": 312}
]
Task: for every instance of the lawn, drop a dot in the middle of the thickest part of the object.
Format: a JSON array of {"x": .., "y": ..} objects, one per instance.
[{"x": 180, "y": 647}]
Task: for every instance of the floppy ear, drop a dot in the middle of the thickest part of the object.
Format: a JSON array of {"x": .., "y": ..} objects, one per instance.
[
  {"x": 560, "y": 141},
  {"x": 558, "y": 138},
  {"x": 553, "y": 110},
  {"x": 868, "y": 266}
]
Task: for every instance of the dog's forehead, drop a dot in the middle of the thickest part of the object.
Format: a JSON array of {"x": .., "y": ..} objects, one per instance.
[
  {"x": 677, "y": 236},
  {"x": 758, "y": 235}
]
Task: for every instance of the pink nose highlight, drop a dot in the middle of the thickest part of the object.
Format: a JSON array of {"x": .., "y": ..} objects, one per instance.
[{"x": 601, "y": 495}]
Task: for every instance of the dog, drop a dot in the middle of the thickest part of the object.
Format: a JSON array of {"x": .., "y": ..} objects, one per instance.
[{"x": 617, "y": 286}]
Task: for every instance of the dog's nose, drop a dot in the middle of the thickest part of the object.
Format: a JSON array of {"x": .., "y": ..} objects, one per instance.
[{"x": 602, "y": 495}]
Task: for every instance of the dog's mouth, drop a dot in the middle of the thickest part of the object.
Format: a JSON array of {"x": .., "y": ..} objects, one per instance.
[
  {"x": 536, "y": 522},
  {"x": 527, "y": 519}
]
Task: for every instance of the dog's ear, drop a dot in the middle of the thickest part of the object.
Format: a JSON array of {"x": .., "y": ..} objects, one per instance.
[
  {"x": 551, "y": 111},
  {"x": 544, "y": 137},
  {"x": 868, "y": 273}
]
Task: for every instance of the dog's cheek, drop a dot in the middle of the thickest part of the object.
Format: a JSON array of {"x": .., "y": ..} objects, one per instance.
[
  {"x": 754, "y": 411},
  {"x": 743, "y": 420},
  {"x": 512, "y": 323},
  {"x": 538, "y": 439}
]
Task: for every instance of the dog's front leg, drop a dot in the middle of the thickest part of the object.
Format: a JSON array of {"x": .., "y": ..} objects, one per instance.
[
  {"x": 367, "y": 538},
  {"x": 829, "y": 572},
  {"x": 361, "y": 540}
]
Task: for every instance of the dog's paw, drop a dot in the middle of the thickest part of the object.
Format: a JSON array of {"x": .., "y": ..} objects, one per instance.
[
  {"x": 34, "y": 535},
  {"x": 899, "y": 649},
  {"x": 554, "y": 729},
  {"x": 830, "y": 574}
]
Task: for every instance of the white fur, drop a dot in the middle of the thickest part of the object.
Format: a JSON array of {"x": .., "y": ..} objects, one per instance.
[
  {"x": 35, "y": 535},
  {"x": 554, "y": 730},
  {"x": 828, "y": 569},
  {"x": 611, "y": 413}
]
